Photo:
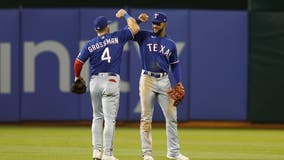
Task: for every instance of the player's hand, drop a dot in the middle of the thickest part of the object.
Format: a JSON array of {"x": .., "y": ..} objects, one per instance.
[
  {"x": 79, "y": 86},
  {"x": 143, "y": 17},
  {"x": 75, "y": 79},
  {"x": 120, "y": 13}
]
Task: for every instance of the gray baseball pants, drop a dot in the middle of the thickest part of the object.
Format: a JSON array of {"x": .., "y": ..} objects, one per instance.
[
  {"x": 150, "y": 90},
  {"x": 104, "y": 91}
]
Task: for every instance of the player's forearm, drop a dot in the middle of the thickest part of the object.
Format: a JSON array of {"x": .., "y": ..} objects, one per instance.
[
  {"x": 132, "y": 24},
  {"x": 77, "y": 68}
]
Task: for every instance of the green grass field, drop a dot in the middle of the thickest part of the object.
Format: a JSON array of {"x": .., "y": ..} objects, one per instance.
[{"x": 74, "y": 143}]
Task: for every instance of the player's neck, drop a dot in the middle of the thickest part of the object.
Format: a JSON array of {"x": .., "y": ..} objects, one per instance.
[
  {"x": 162, "y": 34},
  {"x": 102, "y": 34}
]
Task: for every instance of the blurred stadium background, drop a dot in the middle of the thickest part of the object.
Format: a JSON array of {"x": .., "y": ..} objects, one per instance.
[
  {"x": 232, "y": 57},
  {"x": 231, "y": 51}
]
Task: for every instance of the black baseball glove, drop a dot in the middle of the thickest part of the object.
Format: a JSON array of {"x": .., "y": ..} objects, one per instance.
[{"x": 79, "y": 86}]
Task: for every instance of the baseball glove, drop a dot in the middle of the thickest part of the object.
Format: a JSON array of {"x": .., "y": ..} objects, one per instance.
[
  {"x": 79, "y": 86},
  {"x": 177, "y": 93}
]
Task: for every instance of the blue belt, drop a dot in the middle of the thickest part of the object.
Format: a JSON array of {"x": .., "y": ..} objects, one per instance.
[
  {"x": 105, "y": 74},
  {"x": 155, "y": 74}
]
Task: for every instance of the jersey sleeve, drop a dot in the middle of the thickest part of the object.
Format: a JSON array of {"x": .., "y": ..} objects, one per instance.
[
  {"x": 125, "y": 35},
  {"x": 83, "y": 54},
  {"x": 173, "y": 57},
  {"x": 140, "y": 36}
]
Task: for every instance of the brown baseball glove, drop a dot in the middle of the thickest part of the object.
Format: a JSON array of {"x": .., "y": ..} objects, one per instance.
[
  {"x": 177, "y": 93},
  {"x": 79, "y": 86}
]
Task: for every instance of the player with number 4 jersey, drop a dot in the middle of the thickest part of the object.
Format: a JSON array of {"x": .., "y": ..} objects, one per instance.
[{"x": 104, "y": 53}]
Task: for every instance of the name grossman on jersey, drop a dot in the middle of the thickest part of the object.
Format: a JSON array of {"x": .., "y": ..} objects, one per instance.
[{"x": 99, "y": 45}]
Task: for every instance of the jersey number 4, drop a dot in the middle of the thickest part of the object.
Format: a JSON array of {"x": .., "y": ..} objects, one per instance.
[{"x": 106, "y": 55}]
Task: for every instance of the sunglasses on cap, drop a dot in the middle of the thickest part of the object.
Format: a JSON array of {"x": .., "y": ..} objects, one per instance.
[{"x": 157, "y": 23}]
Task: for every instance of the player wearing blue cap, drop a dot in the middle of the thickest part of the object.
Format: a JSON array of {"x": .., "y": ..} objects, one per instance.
[
  {"x": 104, "y": 53},
  {"x": 158, "y": 53}
]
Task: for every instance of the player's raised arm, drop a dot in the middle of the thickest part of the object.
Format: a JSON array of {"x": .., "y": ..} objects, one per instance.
[{"x": 131, "y": 22}]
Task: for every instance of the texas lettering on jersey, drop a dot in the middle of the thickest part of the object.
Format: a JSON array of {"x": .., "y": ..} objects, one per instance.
[
  {"x": 156, "y": 53},
  {"x": 154, "y": 47}
]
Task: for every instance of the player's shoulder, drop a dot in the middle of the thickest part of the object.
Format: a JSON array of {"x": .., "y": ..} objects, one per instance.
[
  {"x": 144, "y": 32},
  {"x": 142, "y": 35},
  {"x": 170, "y": 40},
  {"x": 93, "y": 40},
  {"x": 89, "y": 42}
]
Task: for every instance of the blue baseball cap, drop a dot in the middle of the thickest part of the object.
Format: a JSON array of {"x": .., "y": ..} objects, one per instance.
[
  {"x": 159, "y": 17},
  {"x": 101, "y": 22}
]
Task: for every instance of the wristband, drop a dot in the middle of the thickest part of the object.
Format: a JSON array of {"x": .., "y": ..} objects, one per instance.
[{"x": 126, "y": 16}]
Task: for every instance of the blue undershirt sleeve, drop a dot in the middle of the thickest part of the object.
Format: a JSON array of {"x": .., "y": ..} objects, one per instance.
[{"x": 176, "y": 73}]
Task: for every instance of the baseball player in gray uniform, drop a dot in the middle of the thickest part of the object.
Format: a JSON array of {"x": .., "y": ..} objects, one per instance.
[
  {"x": 104, "y": 52},
  {"x": 158, "y": 53}
]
